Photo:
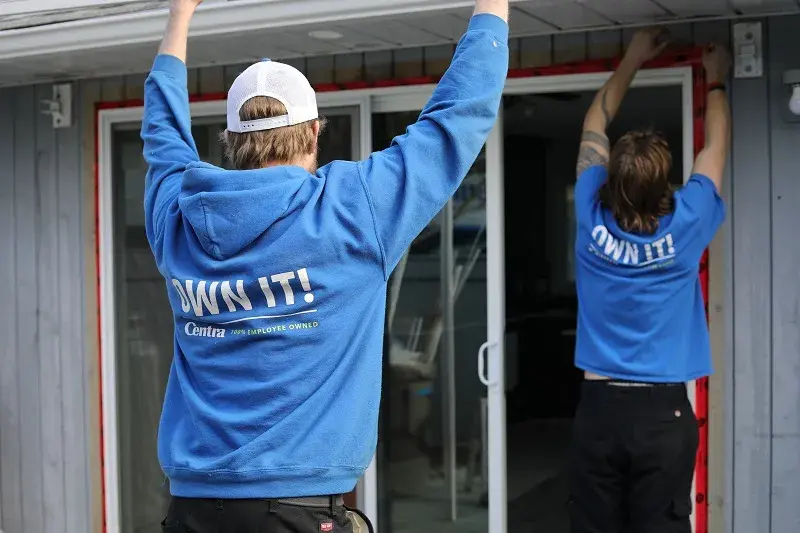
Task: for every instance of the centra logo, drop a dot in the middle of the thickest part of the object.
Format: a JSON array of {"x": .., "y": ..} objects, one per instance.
[{"x": 193, "y": 330}]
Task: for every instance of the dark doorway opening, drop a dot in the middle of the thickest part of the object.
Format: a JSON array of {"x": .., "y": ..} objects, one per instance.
[{"x": 541, "y": 138}]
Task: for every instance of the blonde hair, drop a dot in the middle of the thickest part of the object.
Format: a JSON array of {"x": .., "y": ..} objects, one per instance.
[{"x": 279, "y": 146}]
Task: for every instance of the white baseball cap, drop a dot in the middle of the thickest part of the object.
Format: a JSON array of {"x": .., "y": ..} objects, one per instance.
[{"x": 275, "y": 80}]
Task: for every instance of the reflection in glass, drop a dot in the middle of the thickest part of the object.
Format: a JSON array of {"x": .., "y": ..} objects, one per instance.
[
  {"x": 144, "y": 321},
  {"x": 415, "y": 477}
]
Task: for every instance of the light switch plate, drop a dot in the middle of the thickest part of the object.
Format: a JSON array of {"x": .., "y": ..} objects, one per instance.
[{"x": 748, "y": 53}]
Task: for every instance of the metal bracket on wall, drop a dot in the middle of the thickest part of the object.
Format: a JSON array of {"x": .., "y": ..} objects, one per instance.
[
  {"x": 748, "y": 51},
  {"x": 60, "y": 107}
]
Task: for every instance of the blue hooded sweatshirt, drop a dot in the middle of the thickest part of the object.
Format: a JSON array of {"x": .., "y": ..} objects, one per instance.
[{"x": 277, "y": 281}]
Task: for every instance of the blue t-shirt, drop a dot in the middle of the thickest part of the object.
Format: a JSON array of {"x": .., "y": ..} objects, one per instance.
[{"x": 641, "y": 315}]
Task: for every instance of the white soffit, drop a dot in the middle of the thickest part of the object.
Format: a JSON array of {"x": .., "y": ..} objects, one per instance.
[
  {"x": 88, "y": 39},
  {"x": 625, "y": 11},
  {"x": 706, "y": 8},
  {"x": 16, "y": 14},
  {"x": 41, "y": 27},
  {"x": 216, "y": 18},
  {"x": 27, "y": 7}
]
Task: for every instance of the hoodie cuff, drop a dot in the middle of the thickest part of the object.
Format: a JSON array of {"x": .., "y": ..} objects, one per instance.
[
  {"x": 491, "y": 23},
  {"x": 171, "y": 66}
]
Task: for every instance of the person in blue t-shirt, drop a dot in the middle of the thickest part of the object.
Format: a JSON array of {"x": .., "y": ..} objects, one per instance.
[
  {"x": 276, "y": 273},
  {"x": 642, "y": 331}
]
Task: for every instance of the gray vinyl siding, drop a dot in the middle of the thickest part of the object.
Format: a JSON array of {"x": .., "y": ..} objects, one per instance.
[
  {"x": 49, "y": 373},
  {"x": 784, "y": 133},
  {"x": 751, "y": 351},
  {"x": 45, "y": 385},
  {"x": 763, "y": 351}
]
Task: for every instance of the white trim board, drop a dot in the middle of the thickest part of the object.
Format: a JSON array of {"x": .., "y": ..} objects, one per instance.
[
  {"x": 383, "y": 100},
  {"x": 215, "y": 18}
]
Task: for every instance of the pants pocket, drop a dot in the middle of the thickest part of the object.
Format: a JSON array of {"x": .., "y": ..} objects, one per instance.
[
  {"x": 359, "y": 521},
  {"x": 173, "y": 526},
  {"x": 681, "y": 508}
]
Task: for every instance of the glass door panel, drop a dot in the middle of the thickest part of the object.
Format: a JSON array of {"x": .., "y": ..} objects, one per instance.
[
  {"x": 143, "y": 316},
  {"x": 431, "y": 472}
]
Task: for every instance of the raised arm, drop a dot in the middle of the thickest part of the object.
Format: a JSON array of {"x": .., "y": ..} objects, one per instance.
[
  {"x": 177, "y": 33},
  {"x": 711, "y": 160},
  {"x": 411, "y": 181},
  {"x": 498, "y": 8},
  {"x": 595, "y": 149},
  {"x": 166, "y": 125}
]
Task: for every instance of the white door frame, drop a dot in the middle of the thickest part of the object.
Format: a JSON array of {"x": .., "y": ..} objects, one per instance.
[{"x": 384, "y": 100}]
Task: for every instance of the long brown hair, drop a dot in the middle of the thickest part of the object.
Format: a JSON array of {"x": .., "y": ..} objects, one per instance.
[{"x": 638, "y": 191}]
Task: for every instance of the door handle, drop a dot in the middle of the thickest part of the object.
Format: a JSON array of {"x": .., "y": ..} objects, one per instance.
[{"x": 482, "y": 351}]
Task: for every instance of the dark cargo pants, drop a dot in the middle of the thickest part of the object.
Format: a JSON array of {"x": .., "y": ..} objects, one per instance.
[
  {"x": 324, "y": 514},
  {"x": 634, "y": 453}
]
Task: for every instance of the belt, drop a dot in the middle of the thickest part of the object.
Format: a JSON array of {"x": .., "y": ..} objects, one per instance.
[
  {"x": 617, "y": 383},
  {"x": 313, "y": 501}
]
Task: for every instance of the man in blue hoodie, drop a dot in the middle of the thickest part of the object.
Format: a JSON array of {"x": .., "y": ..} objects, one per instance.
[{"x": 276, "y": 273}]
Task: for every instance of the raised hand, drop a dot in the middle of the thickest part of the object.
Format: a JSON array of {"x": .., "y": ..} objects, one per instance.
[
  {"x": 648, "y": 44},
  {"x": 716, "y": 62},
  {"x": 183, "y": 6},
  {"x": 177, "y": 32},
  {"x": 595, "y": 149},
  {"x": 713, "y": 157}
]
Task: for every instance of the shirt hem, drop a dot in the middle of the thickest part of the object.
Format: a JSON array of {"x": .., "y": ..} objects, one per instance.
[
  {"x": 262, "y": 484},
  {"x": 643, "y": 378}
]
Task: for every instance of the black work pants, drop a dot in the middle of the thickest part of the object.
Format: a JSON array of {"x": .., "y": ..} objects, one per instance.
[
  {"x": 325, "y": 514},
  {"x": 633, "y": 459}
]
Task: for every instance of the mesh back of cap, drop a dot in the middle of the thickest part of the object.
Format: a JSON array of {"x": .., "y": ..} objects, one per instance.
[{"x": 276, "y": 80}]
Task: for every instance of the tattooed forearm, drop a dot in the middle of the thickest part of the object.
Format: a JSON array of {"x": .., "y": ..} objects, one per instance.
[
  {"x": 597, "y": 138},
  {"x": 589, "y": 157},
  {"x": 594, "y": 150},
  {"x": 604, "y": 107}
]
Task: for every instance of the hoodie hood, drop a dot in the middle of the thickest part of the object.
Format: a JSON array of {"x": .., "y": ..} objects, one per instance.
[{"x": 229, "y": 209}]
